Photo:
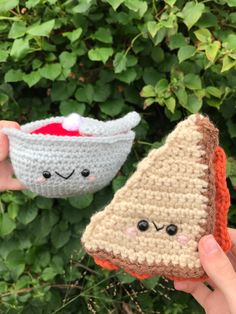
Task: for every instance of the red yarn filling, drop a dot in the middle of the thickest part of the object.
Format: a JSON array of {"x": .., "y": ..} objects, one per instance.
[{"x": 55, "y": 129}]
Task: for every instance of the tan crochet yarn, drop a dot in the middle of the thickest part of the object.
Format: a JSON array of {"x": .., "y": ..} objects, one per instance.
[{"x": 154, "y": 223}]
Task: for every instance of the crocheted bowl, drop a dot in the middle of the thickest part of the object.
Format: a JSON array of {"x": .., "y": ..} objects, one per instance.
[{"x": 62, "y": 166}]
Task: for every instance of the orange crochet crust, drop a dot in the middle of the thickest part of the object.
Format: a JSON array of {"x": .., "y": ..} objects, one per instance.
[{"x": 222, "y": 203}]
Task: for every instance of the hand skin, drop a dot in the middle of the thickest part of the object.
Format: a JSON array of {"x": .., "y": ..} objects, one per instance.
[
  {"x": 220, "y": 268},
  {"x": 6, "y": 171}
]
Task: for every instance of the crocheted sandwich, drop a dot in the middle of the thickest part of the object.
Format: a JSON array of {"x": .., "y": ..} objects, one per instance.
[
  {"x": 177, "y": 194},
  {"x": 65, "y": 156}
]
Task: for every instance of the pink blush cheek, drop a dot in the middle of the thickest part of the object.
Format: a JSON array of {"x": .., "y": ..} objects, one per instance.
[
  {"x": 132, "y": 232},
  {"x": 40, "y": 180},
  {"x": 183, "y": 239},
  {"x": 91, "y": 179}
]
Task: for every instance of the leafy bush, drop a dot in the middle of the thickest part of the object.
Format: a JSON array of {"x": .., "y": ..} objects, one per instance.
[{"x": 164, "y": 59}]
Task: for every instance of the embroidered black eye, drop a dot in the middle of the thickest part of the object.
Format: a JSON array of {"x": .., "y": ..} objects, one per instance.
[
  {"x": 85, "y": 173},
  {"x": 171, "y": 229},
  {"x": 47, "y": 174},
  {"x": 143, "y": 225}
]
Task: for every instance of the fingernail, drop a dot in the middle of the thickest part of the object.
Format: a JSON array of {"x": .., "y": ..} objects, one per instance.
[
  {"x": 210, "y": 245},
  {"x": 180, "y": 285}
]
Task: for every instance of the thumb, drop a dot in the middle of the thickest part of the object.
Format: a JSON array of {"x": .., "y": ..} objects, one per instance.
[{"x": 218, "y": 268}]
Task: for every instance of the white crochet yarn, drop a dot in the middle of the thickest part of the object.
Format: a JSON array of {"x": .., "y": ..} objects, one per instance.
[
  {"x": 65, "y": 157},
  {"x": 73, "y": 122}
]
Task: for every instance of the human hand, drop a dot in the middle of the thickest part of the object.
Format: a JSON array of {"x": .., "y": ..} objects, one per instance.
[
  {"x": 7, "y": 182},
  {"x": 220, "y": 268}
]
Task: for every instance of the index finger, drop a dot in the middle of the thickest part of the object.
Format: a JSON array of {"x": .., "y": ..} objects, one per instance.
[
  {"x": 4, "y": 144},
  {"x": 232, "y": 234}
]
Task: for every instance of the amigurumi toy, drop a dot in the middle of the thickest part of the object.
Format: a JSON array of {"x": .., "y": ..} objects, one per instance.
[
  {"x": 65, "y": 156},
  {"x": 177, "y": 195}
]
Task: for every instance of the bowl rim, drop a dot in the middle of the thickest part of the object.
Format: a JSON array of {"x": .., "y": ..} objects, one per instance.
[{"x": 21, "y": 135}]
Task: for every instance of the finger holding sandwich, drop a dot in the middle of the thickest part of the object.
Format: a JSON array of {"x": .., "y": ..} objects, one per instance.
[{"x": 220, "y": 269}]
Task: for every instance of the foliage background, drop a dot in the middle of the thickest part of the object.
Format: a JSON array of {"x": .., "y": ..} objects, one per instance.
[{"x": 164, "y": 59}]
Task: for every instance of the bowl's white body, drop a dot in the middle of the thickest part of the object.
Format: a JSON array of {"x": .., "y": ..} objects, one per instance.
[{"x": 32, "y": 154}]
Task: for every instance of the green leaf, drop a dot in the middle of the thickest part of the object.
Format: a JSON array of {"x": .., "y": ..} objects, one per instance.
[
  {"x": 74, "y": 35},
  {"x": 48, "y": 274},
  {"x": 6, "y": 5},
  {"x": 71, "y": 106},
  {"x": 194, "y": 103},
  {"x": 18, "y": 29},
  {"x": 32, "y": 78},
  {"x": 100, "y": 54},
  {"x": 148, "y": 102},
  {"x": 153, "y": 27},
  {"x": 28, "y": 213},
  {"x": 231, "y": 167},
  {"x": 43, "y": 29},
  {"x": 62, "y": 90},
  {"x": 192, "y": 81},
  {"x": 82, "y": 201},
  {"x": 82, "y": 7},
  {"x": 214, "y": 91},
  {"x": 231, "y": 3},
  {"x": 216, "y": 103},
  {"x": 231, "y": 41},
  {"x": 112, "y": 107},
  {"x": 160, "y": 36},
  {"x": 186, "y": 52},
  {"x": 67, "y": 59},
  {"x": 150, "y": 283},
  {"x": 192, "y": 12},
  {"x": 148, "y": 91},
  {"x": 173, "y": 116},
  {"x": 50, "y": 71},
  {"x": 115, "y": 3},
  {"x": 182, "y": 96},
  {"x": 127, "y": 76},
  {"x": 59, "y": 238},
  {"x": 177, "y": 41},
  {"x": 23, "y": 282},
  {"x": 118, "y": 182},
  {"x": 231, "y": 128},
  {"x": 15, "y": 258},
  {"x": 170, "y": 2},
  {"x": 120, "y": 62},
  {"x": 203, "y": 35},
  {"x": 85, "y": 94},
  {"x": 44, "y": 203},
  {"x": 161, "y": 86},
  {"x": 3, "y": 55},
  {"x": 101, "y": 92},
  {"x": 13, "y": 76},
  {"x": 32, "y": 3},
  {"x": 3, "y": 98},
  {"x": 136, "y": 6},
  {"x": 20, "y": 48},
  {"x": 232, "y": 17},
  {"x": 13, "y": 210},
  {"x": 103, "y": 35},
  {"x": 3, "y": 287},
  {"x": 125, "y": 277},
  {"x": 7, "y": 225},
  {"x": 228, "y": 63},
  {"x": 171, "y": 104},
  {"x": 212, "y": 50},
  {"x": 157, "y": 54}
]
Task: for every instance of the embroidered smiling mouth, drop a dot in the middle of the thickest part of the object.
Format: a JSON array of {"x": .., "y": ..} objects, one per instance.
[
  {"x": 158, "y": 229},
  {"x": 60, "y": 175}
]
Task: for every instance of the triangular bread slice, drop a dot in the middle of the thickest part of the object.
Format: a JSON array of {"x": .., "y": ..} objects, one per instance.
[{"x": 155, "y": 221}]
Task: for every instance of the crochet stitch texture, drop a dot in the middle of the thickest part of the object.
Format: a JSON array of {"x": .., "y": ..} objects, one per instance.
[
  {"x": 177, "y": 194},
  {"x": 61, "y": 166}
]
